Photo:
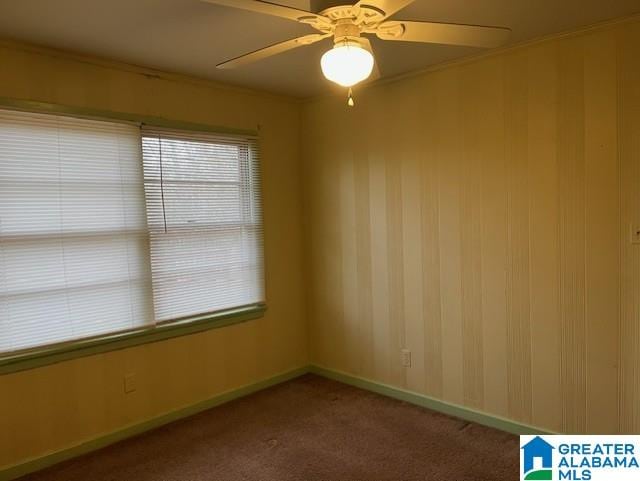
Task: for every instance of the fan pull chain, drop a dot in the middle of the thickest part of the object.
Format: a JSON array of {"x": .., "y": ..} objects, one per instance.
[{"x": 350, "y": 101}]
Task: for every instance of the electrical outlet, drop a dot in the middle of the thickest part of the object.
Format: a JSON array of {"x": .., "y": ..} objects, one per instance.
[
  {"x": 129, "y": 383},
  {"x": 634, "y": 233},
  {"x": 406, "y": 358}
]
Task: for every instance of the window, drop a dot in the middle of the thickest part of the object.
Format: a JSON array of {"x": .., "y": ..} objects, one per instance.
[
  {"x": 73, "y": 244},
  {"x": 106, "y": 227},
  {"x": 203, "y": 212}
]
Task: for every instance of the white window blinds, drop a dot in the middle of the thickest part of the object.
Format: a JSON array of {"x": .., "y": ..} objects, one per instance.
[
  {"x": 205, "y": 223},
  {"x": 74, "y": 258}
]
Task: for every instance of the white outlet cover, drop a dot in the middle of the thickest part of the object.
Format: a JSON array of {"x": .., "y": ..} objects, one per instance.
[
  {"x": 634, "y": 233},
  {"x": 406, "y": 358},
  {"x": 129, "y": 383}
]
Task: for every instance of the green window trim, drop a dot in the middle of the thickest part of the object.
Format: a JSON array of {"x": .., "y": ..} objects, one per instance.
[{"x": 54, "y": 353}]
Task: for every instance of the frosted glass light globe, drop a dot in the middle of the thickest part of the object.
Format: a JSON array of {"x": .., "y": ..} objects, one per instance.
[{"x": 347, "y": 64}]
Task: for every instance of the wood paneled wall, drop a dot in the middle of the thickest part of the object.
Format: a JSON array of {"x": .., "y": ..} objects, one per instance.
[
  {"x": 479, "y": 216},
  {"x": 51, "y": 408}
]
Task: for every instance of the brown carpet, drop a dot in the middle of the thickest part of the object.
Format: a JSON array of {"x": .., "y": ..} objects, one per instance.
[{"x": 308, "y": 429}]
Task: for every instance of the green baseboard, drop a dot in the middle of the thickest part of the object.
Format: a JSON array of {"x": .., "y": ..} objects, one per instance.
[
  {"x": 50, "y": 459},
  {"x": 461, "y": 412},
  {"x": 455, "y": 410}
]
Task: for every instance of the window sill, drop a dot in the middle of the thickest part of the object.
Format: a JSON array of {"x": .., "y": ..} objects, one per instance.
[{"x": 38, "y": 357}]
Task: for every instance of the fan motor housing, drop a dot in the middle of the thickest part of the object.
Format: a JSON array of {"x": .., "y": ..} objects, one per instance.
[
  {"x": 345, "y": 29},
  {"x": 365, "y": 16}
]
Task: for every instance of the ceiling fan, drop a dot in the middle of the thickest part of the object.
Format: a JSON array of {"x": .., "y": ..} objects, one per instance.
[{"x": 351, "y": 59}]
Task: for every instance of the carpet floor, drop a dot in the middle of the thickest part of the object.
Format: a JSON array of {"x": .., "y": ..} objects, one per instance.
[{"x": 307, "y": 429}]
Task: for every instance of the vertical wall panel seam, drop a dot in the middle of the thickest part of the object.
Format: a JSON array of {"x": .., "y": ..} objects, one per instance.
[
  {"x": 620, "y": 384},
  {"x": 431, "y": 300},
  {"x": 585, "y": 363}
]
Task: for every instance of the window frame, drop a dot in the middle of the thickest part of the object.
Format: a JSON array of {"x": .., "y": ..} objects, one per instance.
[
  {"x": 250, "y": 201},
  {"x": 63, "y": 351}
]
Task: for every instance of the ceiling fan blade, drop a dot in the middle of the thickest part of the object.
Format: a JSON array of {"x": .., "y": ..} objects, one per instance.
[
  {"x": 269, "y": 8},
  {"x": 389, "y": 7},
  {"x": 375, "y": 74},
  {"x": 272, "y": 50},
  {"x": 444, "y": 33}
]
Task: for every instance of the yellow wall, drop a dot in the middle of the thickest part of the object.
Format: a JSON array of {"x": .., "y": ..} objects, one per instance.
[
  {"x": 479, "y": 216},
  {"x": 47, "y": 409}
]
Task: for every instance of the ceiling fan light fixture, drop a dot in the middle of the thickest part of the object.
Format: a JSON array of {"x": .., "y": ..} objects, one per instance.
[{"x": 347, "y": 63}]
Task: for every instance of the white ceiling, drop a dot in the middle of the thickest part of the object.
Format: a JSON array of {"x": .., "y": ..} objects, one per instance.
[{"x": 191, "y": 37}]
